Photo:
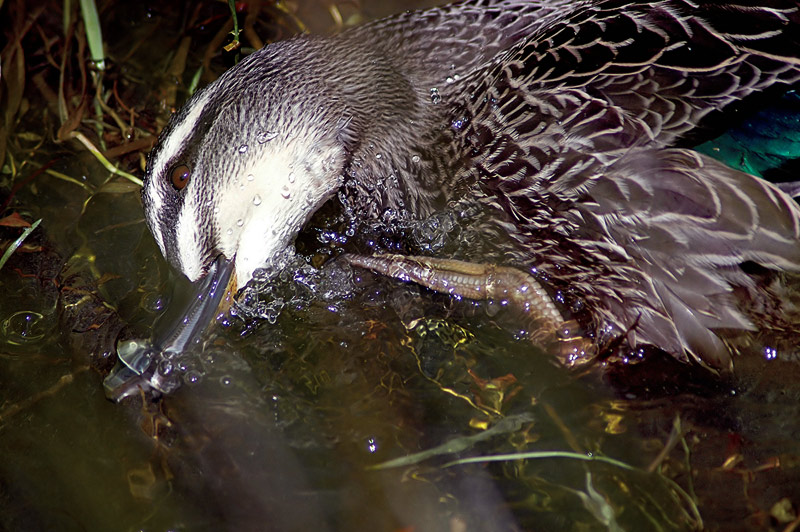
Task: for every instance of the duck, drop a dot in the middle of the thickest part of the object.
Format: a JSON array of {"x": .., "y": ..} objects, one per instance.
[{"x": 568, "y": 123}]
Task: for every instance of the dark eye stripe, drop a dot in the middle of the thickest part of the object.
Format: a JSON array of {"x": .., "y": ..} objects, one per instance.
[{"x": 179, "y": 176}]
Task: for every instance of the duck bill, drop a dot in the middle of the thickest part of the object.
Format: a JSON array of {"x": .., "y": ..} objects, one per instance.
[
  {"x": 208, "y": 298},
  {"x": 147, "y": 363}
]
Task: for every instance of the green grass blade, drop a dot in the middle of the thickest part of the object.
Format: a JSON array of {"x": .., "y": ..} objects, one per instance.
[
  {"x": 94, "y": 35},
  {"x": 232, "y": 6},
  {"x": 18, "y": 242}
]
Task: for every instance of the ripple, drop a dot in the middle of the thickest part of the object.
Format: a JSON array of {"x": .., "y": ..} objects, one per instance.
[{"x": 24, "y": 327}]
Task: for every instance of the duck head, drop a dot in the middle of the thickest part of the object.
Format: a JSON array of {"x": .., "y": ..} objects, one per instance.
[
  {"x": 246, "y": 162},
  {"x": 240, "y": 169}
]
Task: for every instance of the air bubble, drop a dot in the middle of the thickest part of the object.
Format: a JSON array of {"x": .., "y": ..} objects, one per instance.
[
  {"x": 435, "y": 96},
  {"x": 250, "y": 177},
  {"x": 239, "y": 222},
  {"x": 165, "y": 368},
  {"x": 770, "y": 353},
  {"x": 243, "y": 148},
  {"x": 415, "y": 159},
  {"x": 256, "y": 200},
  {"x": 153, "y": 302},
  {"x": 191, "y": 377},
  {"x": 285, "y": 192},
  {"x": 290, "y": 177}
]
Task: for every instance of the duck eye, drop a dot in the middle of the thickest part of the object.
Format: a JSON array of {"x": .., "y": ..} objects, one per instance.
[{"x": 179, "y": 177}]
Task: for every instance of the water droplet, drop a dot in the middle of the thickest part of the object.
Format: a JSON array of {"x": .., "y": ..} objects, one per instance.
[
  {"x": 449, "y": 79},
  {"x": 266, "y": 136},
  {"x": 415, "y": 159},
  {"x": 250, "y": 177},
  {"x": 285, "y": 192},
  {"x": 229, "y": 231},
  {"x": 290, "y": 177},
  {"x": 328, "y": 164},
  {"x": 239, "y": 222},
  {"x": 243, "y": 148},
  {"x": 256, "y": 200},
  {"x": 216, "y": 210},
  {"x": 378, "y": 155},
  {"x": 226, "y": 381},
  {"x": 435, "y": 96}
]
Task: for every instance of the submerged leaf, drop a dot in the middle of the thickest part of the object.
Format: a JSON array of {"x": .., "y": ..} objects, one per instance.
[{"x": 14, "y": 220}]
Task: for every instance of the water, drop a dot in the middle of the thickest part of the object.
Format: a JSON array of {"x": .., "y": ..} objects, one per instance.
[{"x": 283, "y": 421}]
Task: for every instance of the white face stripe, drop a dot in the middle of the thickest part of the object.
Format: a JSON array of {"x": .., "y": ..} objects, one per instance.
[
  {"x": 173, "y": 143},
  {"x": 159, "y": 238},
  {"x": 175, "y": 140},
  {"x": 189, "y": 240},
  {"x": 184, "y": 129}
]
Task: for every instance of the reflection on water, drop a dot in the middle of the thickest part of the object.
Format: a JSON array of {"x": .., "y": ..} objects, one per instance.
[{"x": 350, "y": 404}]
